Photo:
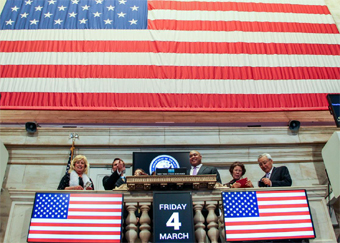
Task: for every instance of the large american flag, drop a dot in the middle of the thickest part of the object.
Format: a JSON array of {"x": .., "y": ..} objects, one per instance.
[
  {"x": 267, "y": 215},
  {"x": 175, "y": 55},
  {"x": 64, "y": 217}
]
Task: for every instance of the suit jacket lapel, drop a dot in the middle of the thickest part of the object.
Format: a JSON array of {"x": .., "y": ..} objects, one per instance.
[
  {"x": 273, "y": 172},
  {"x": 201, "y": 170}
]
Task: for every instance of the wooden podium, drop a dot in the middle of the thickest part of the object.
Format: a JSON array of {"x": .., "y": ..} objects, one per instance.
[{"x": 145, "y": 183}]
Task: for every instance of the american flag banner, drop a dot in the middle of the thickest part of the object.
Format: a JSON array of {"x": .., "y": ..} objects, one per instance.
[
  {"x": 267, "y": 215},
  {"x": 71, "y": 217},
  {"x": 168, "y": 55}
]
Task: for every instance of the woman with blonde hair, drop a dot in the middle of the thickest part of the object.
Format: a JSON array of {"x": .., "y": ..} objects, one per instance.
[{"x": 77, "y": 178}]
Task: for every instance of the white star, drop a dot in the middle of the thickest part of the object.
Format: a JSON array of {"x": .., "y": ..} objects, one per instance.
[
  {"x": 97, "y": 14},
  {"x": 9, "y": 22},
  {"x": 73, "y": 14},
  {"x": 134, "y": 8},
  {"x": 75, "y": 1},
  {"x": 48, "y": 15},
  {"x": 58, "y": 21},
  {"x": 108, "y": 21},
  {"x": 24, "y": 15},
  {"x": 133, "y": 21},
  {"x": 83, "y": 21},
  {"x": 86, "y": 7},
  {"x": 110, "y": 8},
  {"x": 62, "y": 8},
  {"x": 34, "y": 21},
  {"x": 39, "y": 8},
  {"x": 122, "y": 1},
  {"x": 121, "y": 14},
  {"x": 15, "y": 8},
  {"x": 99, "y": 1},
  {"x": 28, "y": 2},
  {"x": 51, "y": 2}
]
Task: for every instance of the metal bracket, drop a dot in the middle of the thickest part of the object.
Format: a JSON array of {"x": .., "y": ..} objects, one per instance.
[{"x": 74, "y": 136}]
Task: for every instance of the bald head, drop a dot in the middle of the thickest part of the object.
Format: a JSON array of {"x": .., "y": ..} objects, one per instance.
[{"x": 195, "y": 158}]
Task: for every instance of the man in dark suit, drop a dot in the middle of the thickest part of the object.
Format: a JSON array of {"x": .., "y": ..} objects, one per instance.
[
  {"x": 118, "y": 168},
  {"x": 275, "y": 176},
  {"x": 197, "y": 168}
]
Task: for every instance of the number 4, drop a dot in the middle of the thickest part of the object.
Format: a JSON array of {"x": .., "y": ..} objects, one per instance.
[{"x": 174, "y": 221}]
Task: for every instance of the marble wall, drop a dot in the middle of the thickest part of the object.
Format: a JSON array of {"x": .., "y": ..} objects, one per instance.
[{"x": 37, "y": 162}]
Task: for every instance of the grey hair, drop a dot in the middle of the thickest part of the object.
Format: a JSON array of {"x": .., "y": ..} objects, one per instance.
[{"x": 265, "y": 155}]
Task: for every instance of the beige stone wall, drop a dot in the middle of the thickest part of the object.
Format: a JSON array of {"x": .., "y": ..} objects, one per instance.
[
  {"x": 38, "y": 161},
  {"x": 334, "y": 8}
]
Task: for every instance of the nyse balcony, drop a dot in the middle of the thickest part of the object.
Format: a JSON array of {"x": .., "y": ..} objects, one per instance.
[{"x": 207, "y": 228}]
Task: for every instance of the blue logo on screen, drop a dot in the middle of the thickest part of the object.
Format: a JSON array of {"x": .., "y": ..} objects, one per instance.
[{"x": 163, "y": 162}]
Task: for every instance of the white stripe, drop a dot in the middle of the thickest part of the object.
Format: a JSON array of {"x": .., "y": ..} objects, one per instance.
[
  {"x": 70, "y": 228},
  {"x": 283, "y": 202},
  {"x": 240, "y": 16},
  {"x": 271, "y": 218},
  {"x": 168, "y": 59},
  {"x": 302, "y": 2},
  {"x": 168, "y": 35},
  {"x": 280, "y": 194},
  {"x": 82, "y": 213},
  {"x": 87, "y": 237},
  {"x": 97, "y": 206},
  {"x": 281, "y": 210},
  {"x": 266, "y": 226},
  {"x": 271, "y": 234},
  {"x": 95, "y": 199},
  {"x": 180, "y": 86},
  {"x": 77, "y": 221}
]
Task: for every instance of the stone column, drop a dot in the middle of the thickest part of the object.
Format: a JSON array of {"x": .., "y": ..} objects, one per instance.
[
  {"x": 213, "y": 231},
  {"x": 200, "y": 233},
  {"x": 145, "y": 223},
  {"x": 131, "y": 223},
  {"x": 221, "y": 224}
]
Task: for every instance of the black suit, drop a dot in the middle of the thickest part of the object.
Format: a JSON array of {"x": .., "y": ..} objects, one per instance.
[
  {"x": 280, "y": 177},
  {"x": 110, "y": 181},
  {"x": 208, "y": 170}
]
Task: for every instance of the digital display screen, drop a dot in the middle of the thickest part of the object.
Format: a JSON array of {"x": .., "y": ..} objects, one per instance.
[
  {"x": 150, "y": 161},
  {"x": 267, "y": 215}
]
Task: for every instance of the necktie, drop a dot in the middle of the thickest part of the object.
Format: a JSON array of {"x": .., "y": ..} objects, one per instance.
[
  {"x": 194, "y": 172},
  {"x": 267, "y": 175}
]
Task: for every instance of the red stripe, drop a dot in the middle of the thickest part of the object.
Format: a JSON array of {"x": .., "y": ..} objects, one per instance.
[
  {"x": 95, "y": 210},
  {"x": 283, "y": 214},
  {"x": 238, "y": 6},
  {"x": 71, "y": 240},
  {"x": 298, "y": 221},
  {"x": 94, "y": 217},
  {"x": 168, "y": 47},
  {"x": 167, "y": 72},
  {"x": 75, "y": 224},
  {"x": 245, "y": 26},
  {"x": 162, "y": 102},
  {"x": 53, "y": 232},
  {"x": 283, "y": 191},
  {"x": 289, "y": 198},
  {"x": 252, "y": 231},
  {"x": 95, "y": 202},
  {"x": 273, "y": 238},
  {"x": 99, "y": 196},
  {"x": 286, "y": 206}
]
